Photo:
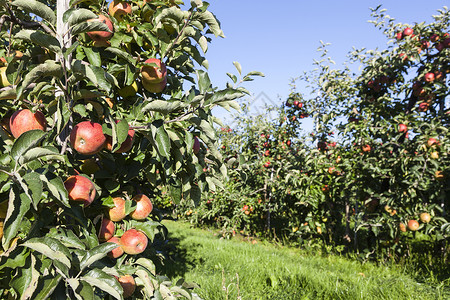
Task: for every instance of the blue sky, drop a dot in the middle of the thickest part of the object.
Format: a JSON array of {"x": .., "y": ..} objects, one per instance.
[{"x": 280, "y": 38}]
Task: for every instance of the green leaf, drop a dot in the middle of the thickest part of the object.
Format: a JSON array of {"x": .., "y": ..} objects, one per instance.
[
  {"x": 122, "y": 54},
  {"x": 55, "y": 185},
  {"x": 34, "y": 279},
  {"x": 77, "y": 16},
  {"x": 173, "y": 13},
  {"x": 23, "y": 277},
  {"x": 89, "y": 26},
  {"x": 204, "y": 83},
  {"x": 146, "y": 279},
  {"x": 147, "y": 263},
  {"x": 35, "y": 186},
  {"x": 63, "y": 115},
  {"x": 50, "y": 247},
  {"x": 37, "y": 8},
  {"x": 212, "y": 22},
  {"x": 40, "y": 38},
  {"x": 18, "y": 206},
  {"x": 46, "y": 287},
  {"x": 238, "y": 67},
  {"x": 82, "y": 289},
  {"x": 205, "y": 127},
  {"x": 40, "y": 152},
  {"x": 96, "y": 254},
  {"x": 164, "y": 107},
  {"x": 105, "y": 282},
  {"x": 67, "y": 237},
  {"x": 48, "y": 69},
  {"x": 94, "y": 57},
  {"x": 84, "y": 69},
  {"x": 25, "y": 142},
  {"x": 161, "y": 138}
]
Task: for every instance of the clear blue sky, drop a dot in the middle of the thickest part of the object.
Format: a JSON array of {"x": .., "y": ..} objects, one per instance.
[{"x": 280, "y": 38}]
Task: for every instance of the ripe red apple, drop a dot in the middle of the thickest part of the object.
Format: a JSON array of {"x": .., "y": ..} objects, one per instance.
[
  {"x": 366, "y": 148},
  {"x": 402, "y": 128},
  {"x": 128, "y": 285},
  {"x": 152, "y": 74},
  {"x": 296, "y": 103},
  {"x": 425, "y": 217},
  {"x": 432, "y": 141},
  {"x": 399, "y": 35},
  {"x": 423, "y": 106},
  {"x": 80, "y": 188},
  {"x": 87, "y": 138},
  {"x": 106, "y": 230},
  {"x": 133, "y": 241},
  {"x": 429, "y": 77},
  {"x": 408, "y": 31},
  {"x": 116, "y": 252},
  {"x": 196, "y": 146},
  {"x": 143, "y": 207},
  {"x": 126, "y": 145},
  {"x": 117, "y": 213},
  {"x": 300, "y": 105},
  {"x": 155, "y": 87},
  {"x": 101, "y": 35},
  {"x": 24, "y": 120},
  {"x": 413, "y": 225},
  {"x": 118, "y": 9}
]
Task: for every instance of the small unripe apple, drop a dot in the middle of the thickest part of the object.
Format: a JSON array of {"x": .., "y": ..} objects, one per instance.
[
  {"x": 117, "y": 213},
  {"x": 89, "y": 166},
  {"x": 116, "y": 252},
  {"x": 153, "y": 74},
  {"x": 106, "y": 230},
  {"x": 25, "y": 120},
  {"x": 413, "y": 225},
  {"x": 101, "y": 35},
  {"x": 144, "y": 207},
  {"x": 81, "y": 189},
  {"x": 128, "y": 285},
  {"x": 118, "y": 9},
  {"x": 402, "y": 227},
  {"x": 425, "y": 217},
  {"x": 87, "y": 138},
  {"x": 133, "y": 242},
  {"x": 129, "y": 90}
]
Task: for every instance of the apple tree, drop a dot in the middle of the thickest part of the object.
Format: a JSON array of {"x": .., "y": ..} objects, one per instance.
[{"x": 102, "y": 104}]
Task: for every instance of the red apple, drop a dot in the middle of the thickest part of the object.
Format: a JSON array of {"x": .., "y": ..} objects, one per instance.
[
  {"x": 402, "y": 128},
  {"x": 399, "y": 35},
  {"x": 116, "y": 252},
  {"x": 408, "y": 31},
  {"x": 128, "y": 285},
  {"x": 126, "y": 145},
  {"x": 429, "y": 77},
  {"x": 425, "y": 217},
  {"x": 106, "y": 230},
  {"x": 133, "y": 242},
  {"x": 434, "y": 37},
  {"x": 432, "y": 141},
  {"x": 24, "y": 120},
  {"x": 80, "y": 188},
  {"x": 155, "y": 87},
  {"x": 196, "y": 146},
  {"x": 423, "y": 106},
  {"x": 143, "y": 207},
  {"x": 402, "y": 227},
  {"x": 153, "y": 74},
  {"x": 87, "y": 138},
  {"x": 101, "y": 35},
  {"x": 117, "y": 213},
  {"x": 413, "y": 225},
  {"x": 118, "y": 9},
  {"x": 366, "y": 148}
]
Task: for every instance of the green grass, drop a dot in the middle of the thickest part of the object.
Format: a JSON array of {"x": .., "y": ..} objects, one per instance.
[{"x": 229, "y": 269}]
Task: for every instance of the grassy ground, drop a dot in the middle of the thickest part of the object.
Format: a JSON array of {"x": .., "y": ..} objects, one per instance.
[{"x": 236, "y": 269}]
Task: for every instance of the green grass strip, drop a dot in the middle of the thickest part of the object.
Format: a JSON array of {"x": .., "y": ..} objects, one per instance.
[{"x": 229, "y": 269}]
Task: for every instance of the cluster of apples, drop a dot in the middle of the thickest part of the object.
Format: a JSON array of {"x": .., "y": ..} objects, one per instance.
[
  {"x": 154, "y": 72},
  {"x": 295, "y": 106},
  {"x": 413, "y": 225}
]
